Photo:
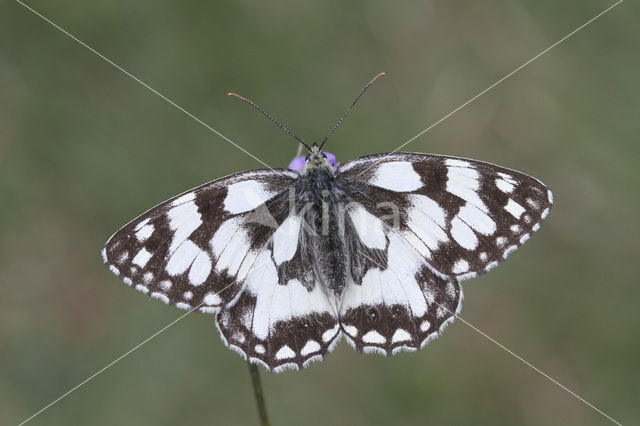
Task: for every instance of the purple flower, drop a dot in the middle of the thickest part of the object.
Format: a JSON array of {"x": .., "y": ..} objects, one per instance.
[
  {"x": 298, "y": 163},
  {"x": 331, "y": 159}
]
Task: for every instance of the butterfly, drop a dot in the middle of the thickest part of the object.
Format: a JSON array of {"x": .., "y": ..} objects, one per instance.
[{"x": 372, "y": 250}]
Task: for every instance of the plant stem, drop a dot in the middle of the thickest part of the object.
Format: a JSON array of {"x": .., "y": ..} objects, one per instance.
[{"x": 257, "y": 390}]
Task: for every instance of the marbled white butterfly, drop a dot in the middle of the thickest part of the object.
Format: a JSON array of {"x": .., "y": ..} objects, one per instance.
[{"x": 291, "y": 260}]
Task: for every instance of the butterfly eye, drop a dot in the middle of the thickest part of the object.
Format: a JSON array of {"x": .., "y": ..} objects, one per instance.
[
  {"x": 306, "y": 159},
  {"x": 324, "y": 156}
]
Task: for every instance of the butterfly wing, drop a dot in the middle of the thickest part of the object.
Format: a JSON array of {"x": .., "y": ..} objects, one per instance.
[
  {"x": 191, "y": 251},
  {"x": 280, "y": 326},
  {"x": 417, "y": 225},
  {"x": 399, "y": 303},
  {"x": 463, "y": 216},
  {"x": 230, "y": 246}
]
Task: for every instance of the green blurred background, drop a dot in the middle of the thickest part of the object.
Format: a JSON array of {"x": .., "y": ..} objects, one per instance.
[{"x": 84, "y": 149}]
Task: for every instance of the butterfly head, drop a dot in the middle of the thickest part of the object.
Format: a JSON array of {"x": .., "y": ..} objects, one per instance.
[
  {"x": 300, "y": 162},
  {"x": 316, "y": 158}
]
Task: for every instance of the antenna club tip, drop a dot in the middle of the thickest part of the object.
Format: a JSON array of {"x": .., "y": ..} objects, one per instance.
[
  {"x": 232, "y": 94},
  {"x": 375, "y": 78}
]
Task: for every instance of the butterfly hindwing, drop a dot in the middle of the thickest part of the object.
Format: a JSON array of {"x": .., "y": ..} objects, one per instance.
[
  {"x": 279, "y": 326},
  {"x": 398, "y": 304},
  {"x": 463, "y": 216},
  {"x": 282, "y": 318}
]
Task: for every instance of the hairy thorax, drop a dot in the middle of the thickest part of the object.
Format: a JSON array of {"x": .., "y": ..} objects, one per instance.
[{"x": 321, "y": 205}]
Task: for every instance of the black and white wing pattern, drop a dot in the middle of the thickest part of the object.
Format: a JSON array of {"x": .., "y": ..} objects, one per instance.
[
  {"x": 290, "y": 262},
  {"x": 394, "y": 301},
  {"x": 230, "y": 247},
  {"x": 419, "y": 224}
]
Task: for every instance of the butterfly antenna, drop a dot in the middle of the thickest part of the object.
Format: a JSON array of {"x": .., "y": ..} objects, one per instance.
[
  {"x": 277, "y": 123},
  {"x": 350, "y": 107}
]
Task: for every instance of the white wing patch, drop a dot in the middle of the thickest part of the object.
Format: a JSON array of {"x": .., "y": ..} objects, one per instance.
[
  {"x": 246, "y": 195},
  {"x": 504, "y": 186},
  {"x": 190, "y": 256},
  {"x": 200, "y": 268},
  {"x": 427, "y": 220},
  {"x": 369, "y": 228},
  {"x": 396, "y": 176},
  {"x": 183, "y": 220},
  {"x": 184, "y": 254},
  {"x": 374, "y": 337},
  {"x": 142, "y": 257},
  {"x": 144, "y": 232},
  {"x": 310, "y": 347},
  {"x": 460, "y": 266},
  {"x": 328, "y": 335},
  {"x": 463, "y": 234},
  {"x": 285, "y": 239},
  {"x": 477, "y": 219},
  {"x": 514, "y": 208},
  {"x": 230, "y": 245},
  {"x": 400, "y": 336},
  {"x": 285, "y": 352},
  {"x": 462, "y": 180}
]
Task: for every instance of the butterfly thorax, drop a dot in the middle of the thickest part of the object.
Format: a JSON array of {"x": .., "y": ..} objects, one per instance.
[{"x": 320, "y": 200}]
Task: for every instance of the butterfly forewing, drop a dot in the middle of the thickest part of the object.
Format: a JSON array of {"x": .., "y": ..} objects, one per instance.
[
  {"x": 463, "y": 216},
  {"x": 192, "y": 250}
]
